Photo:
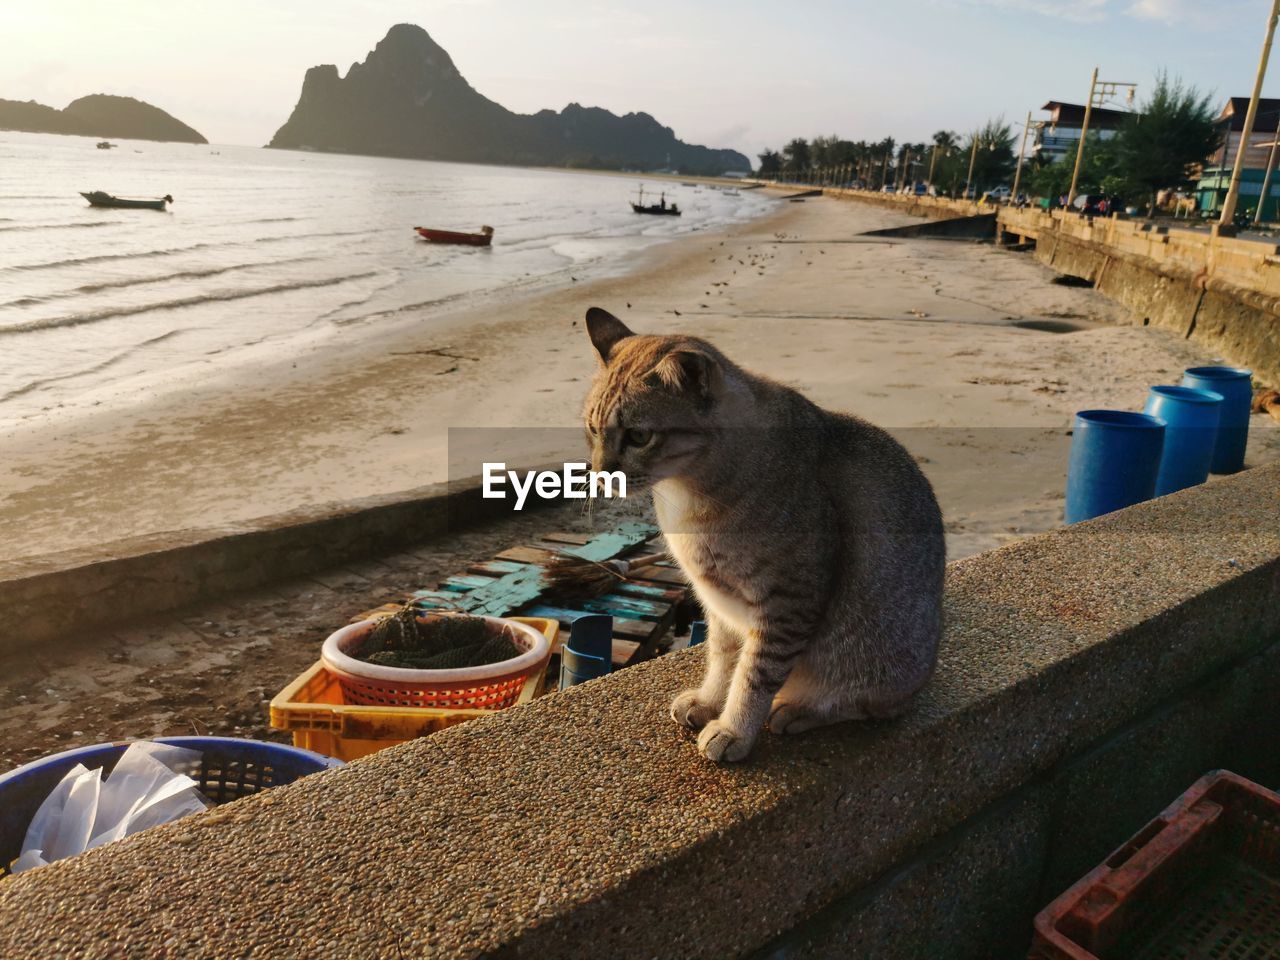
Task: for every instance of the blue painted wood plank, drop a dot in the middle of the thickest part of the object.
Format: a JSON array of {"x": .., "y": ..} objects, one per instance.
[{"x": 608, "y": 545}]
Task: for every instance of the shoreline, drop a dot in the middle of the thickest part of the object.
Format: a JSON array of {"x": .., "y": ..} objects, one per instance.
[{"x": 917, "y": 336}]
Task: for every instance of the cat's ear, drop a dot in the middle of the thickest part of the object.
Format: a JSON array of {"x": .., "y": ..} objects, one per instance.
[
  {"x": 605, "y": 330},
  {"x": 691, "y": 372}
]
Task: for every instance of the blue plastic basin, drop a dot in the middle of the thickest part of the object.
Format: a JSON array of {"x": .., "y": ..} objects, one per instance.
[{"x": 229, "y": 769}]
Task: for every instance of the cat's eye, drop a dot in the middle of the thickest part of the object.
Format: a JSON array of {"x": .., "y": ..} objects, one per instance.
[{"x": 635, "y": 437}]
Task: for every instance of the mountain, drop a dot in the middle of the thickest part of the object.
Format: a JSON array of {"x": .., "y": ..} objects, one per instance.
[
  {"x": 98, "y": 115},
  {"x": 407, "y": 99}
]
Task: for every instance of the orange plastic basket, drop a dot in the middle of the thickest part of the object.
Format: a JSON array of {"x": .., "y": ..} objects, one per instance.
[
  {"x": 492, "y": 687},
  {"x": 316, "y": 712}
]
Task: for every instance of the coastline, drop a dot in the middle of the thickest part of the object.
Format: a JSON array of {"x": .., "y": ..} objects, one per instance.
[{"x": 918, "y": 336}]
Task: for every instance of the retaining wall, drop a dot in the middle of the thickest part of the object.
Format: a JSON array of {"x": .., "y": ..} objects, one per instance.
[
  {"x": 1087, "y": 676},
  {"x": 1221, "y": 291},
  {"x": 59, "y": 594}
]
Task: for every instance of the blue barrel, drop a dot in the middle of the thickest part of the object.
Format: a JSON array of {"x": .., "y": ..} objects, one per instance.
[
  {"x": 697, "y": 632},
  {"x": 1191, "y": 431},
  {"x": 1115, "y": 457},
  {"x": 1236, "y": 386},
  {"x": 588, "y": 653}
]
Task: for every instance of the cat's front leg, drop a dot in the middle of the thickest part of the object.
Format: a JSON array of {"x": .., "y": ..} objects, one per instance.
[
  {"x": 762, "y": 668},
  {"x": 697, "y": 707}
]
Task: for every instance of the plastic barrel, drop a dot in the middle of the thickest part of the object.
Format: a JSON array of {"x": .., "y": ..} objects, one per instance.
[
  {"x": 1236, "y": 386},
  {"x": 588, "y": 653},
  {"x": 697, "y": 632},
  {"x": 1115, "y": 457},
  {"x": 1191, "y": 432}
]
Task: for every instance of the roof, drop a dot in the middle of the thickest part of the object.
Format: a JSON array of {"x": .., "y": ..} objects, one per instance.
[
  {"x": 1233, "y": 113},
  {"x": 1072, "y": 114}
]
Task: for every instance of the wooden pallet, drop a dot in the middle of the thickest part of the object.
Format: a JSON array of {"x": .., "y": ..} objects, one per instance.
[{"x": 644, "y": 607}]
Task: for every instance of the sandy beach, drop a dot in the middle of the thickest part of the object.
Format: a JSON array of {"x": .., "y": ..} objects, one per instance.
[{"x": 920, "y": 336}]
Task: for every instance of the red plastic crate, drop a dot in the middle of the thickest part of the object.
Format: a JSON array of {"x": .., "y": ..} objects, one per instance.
[{"x": 1200, "y": 882}]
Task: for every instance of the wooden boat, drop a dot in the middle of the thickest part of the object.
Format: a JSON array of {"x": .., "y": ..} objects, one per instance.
[
  {"x": 105, "y": 145},
  {"x": 660, "y": 209},
  {"x": 100, "y": 199},
  {"x": 481, "y": 239}
]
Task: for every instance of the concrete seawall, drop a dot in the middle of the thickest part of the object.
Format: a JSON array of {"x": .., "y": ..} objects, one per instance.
[
  {"x": 57, "y": 595},
  {"x": 1219, "y": 291},
  {"x": 1087, "y": 676},
  {"x": 1223, "y": 292}
]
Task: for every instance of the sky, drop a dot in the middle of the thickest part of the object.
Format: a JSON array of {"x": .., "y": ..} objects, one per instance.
[{"x": 742, "y": 74}]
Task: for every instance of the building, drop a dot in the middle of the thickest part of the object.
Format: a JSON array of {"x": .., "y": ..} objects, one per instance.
[
  {"x": 1060, "y": 136},
  {"x": 1215, "y": 178}
]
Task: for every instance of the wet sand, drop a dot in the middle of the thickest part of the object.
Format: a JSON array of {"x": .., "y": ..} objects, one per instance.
[{"x": 921, "y": 336}]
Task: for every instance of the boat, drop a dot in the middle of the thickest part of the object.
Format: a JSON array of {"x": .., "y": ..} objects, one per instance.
[
  {"x": 482, "y": 239},
  {"x": 105, "y": 145},
  {"x": 99, "y": 198},
  {"x": 661, "y": 208}
]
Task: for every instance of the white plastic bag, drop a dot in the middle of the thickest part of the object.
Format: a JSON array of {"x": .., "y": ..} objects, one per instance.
[{"x": 84, "y": 811}]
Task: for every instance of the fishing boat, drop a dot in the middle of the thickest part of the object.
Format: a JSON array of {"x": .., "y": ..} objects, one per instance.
[
  {"x": 98, "y": 198},
  {"x": 661, "y": 208},
  {"x": 482, "y": 239},
  {"x": 105, "y": 145}
]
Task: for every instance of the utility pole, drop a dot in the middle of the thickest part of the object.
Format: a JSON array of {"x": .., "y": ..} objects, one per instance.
[
  {"x": 933, "y": 161},
  {"x": 884, "y": 167},
  {"x": 1022, "y": 152},
  {"x": 1266, "y": 179},
  {"x": 1233, "y": 191},
  {"x": 1099, "y": 92},
  {"x": 973, "y": 158},
  {"x": 1084, "y": 132}
]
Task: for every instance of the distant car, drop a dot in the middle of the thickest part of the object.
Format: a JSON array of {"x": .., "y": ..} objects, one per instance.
[
  {"x": 999, "y": 193},
  {"x": 1097, "y": 205},
  {"x": 888, "y": 188}
]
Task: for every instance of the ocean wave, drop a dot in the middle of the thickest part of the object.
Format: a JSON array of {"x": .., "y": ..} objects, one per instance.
[
  {"x": 61, "y": 226},
  {"x": 184, "y": 275},
  {"x": 95, "y": 368},
  {"x": 104, "y": 257},
  {"x": 143, "y": 281},
  {"x": 77, "y": 319},
  {"x": 170, "y": 251}
]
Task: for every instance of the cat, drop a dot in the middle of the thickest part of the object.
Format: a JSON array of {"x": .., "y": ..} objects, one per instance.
[{"x": 812, "y": 539}]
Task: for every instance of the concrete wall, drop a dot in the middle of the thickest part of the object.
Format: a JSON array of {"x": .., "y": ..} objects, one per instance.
[
  {"x": 57, "y": 594},
  {"x": 1087, "y": 676},
  {"x": 1220, "y": 291}
]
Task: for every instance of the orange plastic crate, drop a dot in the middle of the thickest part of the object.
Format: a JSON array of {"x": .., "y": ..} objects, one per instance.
[
  {"x": 315, "y": 711},
  {"x": 1202, "y": 880}
]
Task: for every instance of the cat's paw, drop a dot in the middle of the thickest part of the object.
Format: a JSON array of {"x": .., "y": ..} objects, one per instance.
[
  {"x": 793, "y": 718},
  {"x": 721, "y": 744},
  {"x": 690, "y": 710}
]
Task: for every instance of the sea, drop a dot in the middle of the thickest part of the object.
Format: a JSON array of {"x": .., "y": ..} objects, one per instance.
[{"x": 263, "y": 251}]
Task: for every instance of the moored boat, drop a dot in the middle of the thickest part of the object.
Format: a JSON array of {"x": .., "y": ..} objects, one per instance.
[
  {"x": 481, "y": 239},
  {"x": 661, "y": 208},
  {"x": 105, "y": 145},
  {"x": 99, "y": 198}
]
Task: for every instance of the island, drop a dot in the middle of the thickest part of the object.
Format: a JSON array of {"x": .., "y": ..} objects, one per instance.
[
  {"x": 98, "y": 115},
  {"x": 407, "y": 99}
]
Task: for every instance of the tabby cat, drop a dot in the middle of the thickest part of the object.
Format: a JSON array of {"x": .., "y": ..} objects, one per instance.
[{"x": 811, "y": 538}]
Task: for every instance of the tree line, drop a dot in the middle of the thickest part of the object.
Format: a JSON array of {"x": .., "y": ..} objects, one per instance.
[
  {"x": 944, "y": 161},
  {"x": 1161, "y": 146}
]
